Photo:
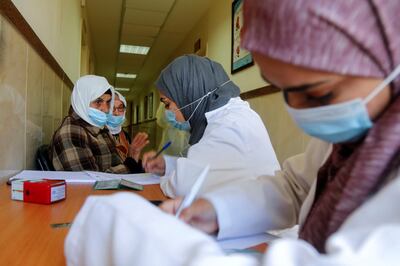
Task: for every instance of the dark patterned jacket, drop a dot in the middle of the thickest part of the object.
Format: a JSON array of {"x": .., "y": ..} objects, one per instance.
[{"x": 78, "y": 146}]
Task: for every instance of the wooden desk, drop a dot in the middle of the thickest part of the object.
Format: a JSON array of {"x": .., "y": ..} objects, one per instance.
[{"x": 26, "y": 237}]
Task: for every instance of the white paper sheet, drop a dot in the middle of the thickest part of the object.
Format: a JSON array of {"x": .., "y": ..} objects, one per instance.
[
  {"x": 143, "y": 179},
  {"x": 86, "y": 176},
  {"x": 69, "y": 177},
  {"x": 245, "y": 242}
]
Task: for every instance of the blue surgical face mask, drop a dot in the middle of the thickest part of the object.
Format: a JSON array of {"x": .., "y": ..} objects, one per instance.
[
  {"x": 115, "y": 120},
  {"x": 337, "y": 123},
  {"x": 98, "y": 117},
  {"x": 171, "y": 116}
]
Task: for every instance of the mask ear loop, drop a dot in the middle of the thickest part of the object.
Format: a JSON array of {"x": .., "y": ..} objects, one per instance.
[
  {"x": 381, "y": 86},
  {"x": 201, "y": 98},
  {"x": 195, "y": 109},
  {"x": 205, "y": 96}
]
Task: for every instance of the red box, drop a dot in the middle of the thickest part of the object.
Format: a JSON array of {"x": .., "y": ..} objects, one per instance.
[{"x": 39, "y": 191}]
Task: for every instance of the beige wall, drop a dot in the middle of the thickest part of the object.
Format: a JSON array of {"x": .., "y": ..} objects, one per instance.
[
  {"x": 34, "y": 98},
  {"x": 286, "y": 138},
  {"x": 58, "y": 25},
  {"x": 33, "y": 101},
  {"x": 214, "y": 29},
  {"x": 87, "y": 52}
]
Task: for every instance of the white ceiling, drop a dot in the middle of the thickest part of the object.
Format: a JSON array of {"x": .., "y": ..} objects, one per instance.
[{"x": 160, "y": 24}]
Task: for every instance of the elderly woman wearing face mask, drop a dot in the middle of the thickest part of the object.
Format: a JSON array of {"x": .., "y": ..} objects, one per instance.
[
  {"x": 225, "y": 132},
  {"x": 125, "y": 147},
  {"x": 82, "y": 142}
]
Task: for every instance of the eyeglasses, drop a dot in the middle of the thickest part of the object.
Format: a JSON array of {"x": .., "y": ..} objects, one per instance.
[{"x": 119, "y": 109}]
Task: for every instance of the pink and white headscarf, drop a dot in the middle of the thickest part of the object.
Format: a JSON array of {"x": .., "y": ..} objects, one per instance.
[{"x": 349, "y": 37}]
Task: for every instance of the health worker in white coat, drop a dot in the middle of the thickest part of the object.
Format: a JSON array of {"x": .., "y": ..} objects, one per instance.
[
  {"x": 337, "y": 63},
  {"x": 225, "y": 132}
]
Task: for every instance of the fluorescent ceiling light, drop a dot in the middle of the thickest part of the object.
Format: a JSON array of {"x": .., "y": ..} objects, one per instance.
[
  {"x": 122, "y": 89},
  {"x": 133, "y": 49},
  {"x": 126, "y": 75}
]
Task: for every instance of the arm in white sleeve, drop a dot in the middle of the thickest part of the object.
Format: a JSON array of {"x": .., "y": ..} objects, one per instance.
[
  {"x": 126, "y": 229},
  {"x": 235, "y": 146},
  {"x": 370, "y": 236},
  {"x": 225, "y": 158},
  {"x": 170, "y": 164},
  {"x": 170, "y": 169},
  {"x": 269, "y": 202}
]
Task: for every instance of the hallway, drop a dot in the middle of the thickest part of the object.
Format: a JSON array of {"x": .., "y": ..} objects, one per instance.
[{"x": 45, "y": 46}]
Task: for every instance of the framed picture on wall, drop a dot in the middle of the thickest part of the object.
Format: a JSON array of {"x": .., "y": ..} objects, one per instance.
[
  {"x": 150, "y": 105},
  {"x": 240, "y": 58}
]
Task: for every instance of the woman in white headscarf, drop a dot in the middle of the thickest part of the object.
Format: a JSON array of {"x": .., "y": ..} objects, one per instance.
[
  {"x": 125, "y": 147},
  {"x": 82, "y": 142}
]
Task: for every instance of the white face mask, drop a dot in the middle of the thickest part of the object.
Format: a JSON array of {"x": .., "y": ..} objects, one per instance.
[{"x": 340, "y": 122}]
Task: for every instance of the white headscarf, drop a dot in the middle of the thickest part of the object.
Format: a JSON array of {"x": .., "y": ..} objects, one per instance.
[
  {"x": 121, "y": 97},
  {"x": 87, "y": 89},
  {"x": 116, "y": 130}
]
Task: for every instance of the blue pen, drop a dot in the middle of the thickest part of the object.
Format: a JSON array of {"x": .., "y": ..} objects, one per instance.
[{"x": 162, "y": 149}]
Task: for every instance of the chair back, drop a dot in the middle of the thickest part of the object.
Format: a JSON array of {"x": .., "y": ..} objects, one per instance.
[{"x": 43, "y": 161}]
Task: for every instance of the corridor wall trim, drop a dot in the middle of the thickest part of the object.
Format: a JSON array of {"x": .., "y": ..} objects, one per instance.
[
  {"x": 259, "y": 92},
  {"x": 10, "y": 12}
]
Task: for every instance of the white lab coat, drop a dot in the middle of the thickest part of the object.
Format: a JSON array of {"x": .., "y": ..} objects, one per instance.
[
  {"x": 235, "y": 144},
  {"x": 125, "y": 229},
  {"x": 272, "y": 202}
]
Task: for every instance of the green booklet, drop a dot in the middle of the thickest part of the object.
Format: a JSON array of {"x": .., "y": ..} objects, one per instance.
[{"x": 116, "y": 184}]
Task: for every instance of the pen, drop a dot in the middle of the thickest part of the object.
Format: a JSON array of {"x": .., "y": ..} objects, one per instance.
[
  {"x": 190, "y": 197},
  {"x": 162, "y": 149}
]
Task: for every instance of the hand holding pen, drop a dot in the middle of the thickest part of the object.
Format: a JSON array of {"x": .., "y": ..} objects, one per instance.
[
  {"x": 199, "y": 213},
  {"x": 153, "y": 162}
]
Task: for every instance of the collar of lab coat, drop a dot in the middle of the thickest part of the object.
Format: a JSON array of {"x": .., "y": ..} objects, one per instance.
[{"x": 210, "y": 116}]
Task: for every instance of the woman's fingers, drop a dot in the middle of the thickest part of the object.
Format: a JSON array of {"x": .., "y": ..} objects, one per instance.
[
  {"x": 140, "y": 140},
  {"x": 152, "y": 164},
  {"x": 201, "y": 215},
  {"x": 171, "y": 206},
  {"x": 146, "y": 157}
]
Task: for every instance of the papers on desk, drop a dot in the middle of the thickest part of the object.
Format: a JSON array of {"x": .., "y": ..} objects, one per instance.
[
  {"x": 142, "y": 179},
  {"x": 238, "y": 244},
  {"x": 76, "y": 177},
  {"x": 245, "y": 242},
  {"x": 86, "y": 176}
]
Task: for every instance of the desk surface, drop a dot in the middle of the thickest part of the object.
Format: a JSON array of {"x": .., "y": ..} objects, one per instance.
[{"x": 26, "y": 237}]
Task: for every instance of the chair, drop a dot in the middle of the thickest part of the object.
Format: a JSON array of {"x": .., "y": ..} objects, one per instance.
[{"x": 43, "y": 161}]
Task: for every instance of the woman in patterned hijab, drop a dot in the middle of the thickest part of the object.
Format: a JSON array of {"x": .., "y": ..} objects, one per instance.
[{"x": 341, "y": 51}]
